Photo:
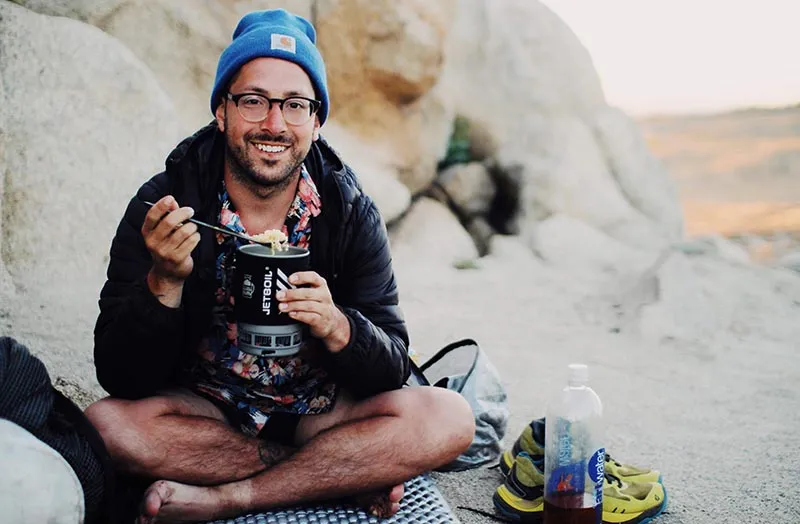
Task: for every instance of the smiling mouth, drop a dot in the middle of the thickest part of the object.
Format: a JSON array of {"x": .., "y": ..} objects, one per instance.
[{"x": 270, "y": 149}]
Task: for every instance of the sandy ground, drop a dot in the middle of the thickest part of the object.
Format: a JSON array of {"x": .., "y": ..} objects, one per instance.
[{"x": 712, "y": 404}]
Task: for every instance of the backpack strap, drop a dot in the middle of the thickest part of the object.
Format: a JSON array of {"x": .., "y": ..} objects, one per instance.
[
  {"x": 417, "y": 377},
  {"x": 445, "y": 350}
]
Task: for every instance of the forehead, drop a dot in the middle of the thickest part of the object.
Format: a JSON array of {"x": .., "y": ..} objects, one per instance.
[{"x": 274, "y": 77}]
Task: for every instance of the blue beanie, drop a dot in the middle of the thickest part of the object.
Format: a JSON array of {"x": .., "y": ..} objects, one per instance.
[{"x": 274, "y": 33}]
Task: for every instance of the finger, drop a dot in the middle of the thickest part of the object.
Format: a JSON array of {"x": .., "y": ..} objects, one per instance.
[
  {"x": 185, "y": 249},
  {"x": 171, "y": 223},
  {"x": 311, "y": 278},
  {"x": 179, "y": 244},
  {"x": 166, "y": 246},
  {"x": 159, "y": 210},
  {"x": 310, "y": 306},
  {"x": 306, "y": 317},
  {"x": 303, "y": 293},
  {"x": 179, "y": 235},
  {"x": 175, "y": 219}
]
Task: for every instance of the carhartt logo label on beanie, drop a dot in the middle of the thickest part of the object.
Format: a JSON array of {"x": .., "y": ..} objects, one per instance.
[{"x": 283, "y": 42}]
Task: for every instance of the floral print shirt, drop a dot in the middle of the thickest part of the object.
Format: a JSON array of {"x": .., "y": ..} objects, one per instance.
[{"x": 256, "y": 386}]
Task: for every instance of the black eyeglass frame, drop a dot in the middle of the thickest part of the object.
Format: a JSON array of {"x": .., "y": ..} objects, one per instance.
[{"x": 315, "y": 104}]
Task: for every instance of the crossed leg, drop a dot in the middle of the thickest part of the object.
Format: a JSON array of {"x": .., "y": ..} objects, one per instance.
[{"x": 215, "y": 472}]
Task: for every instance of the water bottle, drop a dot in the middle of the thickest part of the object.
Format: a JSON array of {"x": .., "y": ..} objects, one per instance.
[{"x": 574, "y": 456}]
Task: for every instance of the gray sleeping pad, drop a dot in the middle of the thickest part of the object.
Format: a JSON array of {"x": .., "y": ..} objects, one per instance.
[{"x": 422, "y": 503}]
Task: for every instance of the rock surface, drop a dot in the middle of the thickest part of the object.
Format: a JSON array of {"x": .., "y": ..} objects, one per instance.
[
  {"x": 469, "y": 187},
  {"x": 84, "y": 124},
  {"x": 578, "y": 157},
  {"x": 375, "y": 169},
  {"x": 415, "y": 240},
  {"x": 182, "y": 44},
  {"x": 384, "y": 59}
]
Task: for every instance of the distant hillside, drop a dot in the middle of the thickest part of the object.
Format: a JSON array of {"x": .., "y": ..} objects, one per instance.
[{"x": 736, "y": 172}]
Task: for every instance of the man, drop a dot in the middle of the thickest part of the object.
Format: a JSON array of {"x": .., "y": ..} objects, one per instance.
[{"x": 222, "y": 432}]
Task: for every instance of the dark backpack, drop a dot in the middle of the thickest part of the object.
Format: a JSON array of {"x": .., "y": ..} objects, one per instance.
[{"x": 29, "y": 400}]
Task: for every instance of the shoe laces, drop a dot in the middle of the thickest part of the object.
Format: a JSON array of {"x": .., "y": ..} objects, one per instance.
[
  {"x": 609, "y": 458},
  {"x": 612, "y": 479}
]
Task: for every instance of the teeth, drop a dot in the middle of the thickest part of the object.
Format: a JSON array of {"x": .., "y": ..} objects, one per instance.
[{"x": 271, "y": 149}]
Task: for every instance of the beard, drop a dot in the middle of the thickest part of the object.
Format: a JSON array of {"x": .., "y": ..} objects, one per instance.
[{"x": 262, "y": 176}]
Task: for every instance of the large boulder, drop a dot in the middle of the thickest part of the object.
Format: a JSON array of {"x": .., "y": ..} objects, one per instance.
[
  {"x": 571, "y": 244},
  {"x": 90, "y": 11},
  {"x": 392, "y": 51},
  {"x": 704, "y": 304},
  {"x": 510, "y": 63},
  {"x": 714, "y": 246},
  {"x": 430, "y": 235},
  {"x": 375, "y": 169},
  {"x": 84, "y": 124},
  {"x": 641, "y": 177},
  {"x": 578, "y": 157},
  {"x": 183, "y": 39},
  {"x": 384, "y": 59},
  {"x": 566, "y": 172},
  {"x": 790, "y": 261}
]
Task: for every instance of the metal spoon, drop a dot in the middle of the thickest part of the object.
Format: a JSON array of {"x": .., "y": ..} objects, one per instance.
[{"x": 219, "y": 229}]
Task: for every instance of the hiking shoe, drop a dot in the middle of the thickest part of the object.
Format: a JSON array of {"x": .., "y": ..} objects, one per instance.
[
  {"x": 628, "y": 473},
  {"x": 632, "y": 502},
  {"x": 521, "y": 496},
  {"x": 531, "y": 441}
]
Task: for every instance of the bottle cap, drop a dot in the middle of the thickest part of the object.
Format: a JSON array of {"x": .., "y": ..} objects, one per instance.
[{"x": 578, "y": 374}]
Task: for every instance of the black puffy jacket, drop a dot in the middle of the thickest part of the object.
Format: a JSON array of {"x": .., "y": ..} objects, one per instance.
[{"x": 140, "y": 344}]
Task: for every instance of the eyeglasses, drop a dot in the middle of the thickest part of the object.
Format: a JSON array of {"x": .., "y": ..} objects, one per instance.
[{"x": 296, "y": 110}]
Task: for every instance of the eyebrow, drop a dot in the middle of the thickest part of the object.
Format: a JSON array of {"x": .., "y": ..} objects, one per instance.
[{"x": 286, "y": 94}]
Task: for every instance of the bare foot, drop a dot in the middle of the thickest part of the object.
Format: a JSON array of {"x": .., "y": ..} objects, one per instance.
[
  {"x": 382, "y": 504},
  {"x": 167, "y": 501}
]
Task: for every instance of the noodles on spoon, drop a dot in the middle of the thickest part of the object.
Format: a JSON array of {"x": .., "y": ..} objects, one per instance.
[{"x": 274, "y": 238}]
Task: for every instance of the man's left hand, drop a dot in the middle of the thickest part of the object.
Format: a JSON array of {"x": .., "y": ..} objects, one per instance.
[{"x": 313, "y": 305}]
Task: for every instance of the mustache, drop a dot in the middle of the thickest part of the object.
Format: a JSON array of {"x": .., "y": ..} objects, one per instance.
[{"x": 266, "y": 137}]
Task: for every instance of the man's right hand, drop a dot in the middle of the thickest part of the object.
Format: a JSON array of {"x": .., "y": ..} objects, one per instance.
[{"x": 170, "y": 238}]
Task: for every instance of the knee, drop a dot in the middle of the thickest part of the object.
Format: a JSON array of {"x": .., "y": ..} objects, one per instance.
[
  {"x": 120, "y": 424},
  {"x": 448, "y": 419},
  {"x": 107, "y": 416}
]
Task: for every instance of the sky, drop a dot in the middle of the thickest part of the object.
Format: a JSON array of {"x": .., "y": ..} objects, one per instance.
[{"x": 681, "y": 56}]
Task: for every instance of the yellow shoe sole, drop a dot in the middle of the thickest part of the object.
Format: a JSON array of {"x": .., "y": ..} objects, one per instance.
[
  {"x": 635, "y": 518},
  {"x": 516, "y": 508}
]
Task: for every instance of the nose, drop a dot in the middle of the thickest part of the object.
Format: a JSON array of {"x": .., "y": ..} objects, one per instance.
[{"x": 274, "y": 123}]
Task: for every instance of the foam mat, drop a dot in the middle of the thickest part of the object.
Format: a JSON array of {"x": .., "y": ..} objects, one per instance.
[{"x": 422, "y": 503}]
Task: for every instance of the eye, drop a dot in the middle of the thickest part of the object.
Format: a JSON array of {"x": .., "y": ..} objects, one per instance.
[
  {"x": 296, "y": 103},
  {"x": 252, "y": 101}
]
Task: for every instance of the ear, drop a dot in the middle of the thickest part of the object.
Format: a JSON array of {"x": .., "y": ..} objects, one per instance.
[
  {"x": 315, "y": 134},
  {"x": 219, "y": 114}
]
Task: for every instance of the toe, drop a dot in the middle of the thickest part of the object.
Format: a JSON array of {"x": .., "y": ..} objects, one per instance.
[
  {"x": 155, "y": 497},
  {"x": 397, "y": 492}
]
